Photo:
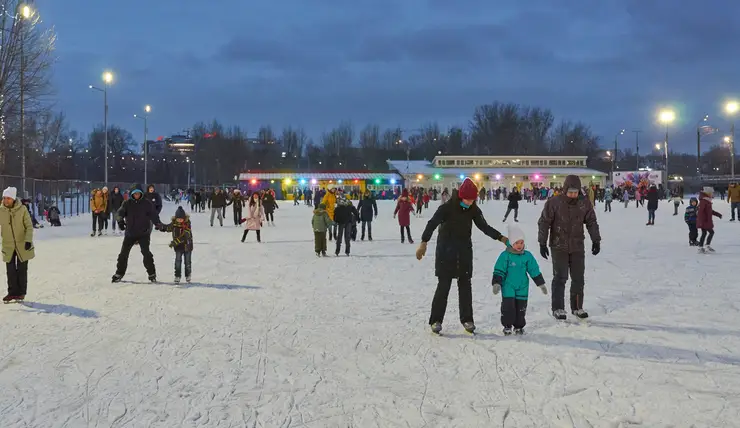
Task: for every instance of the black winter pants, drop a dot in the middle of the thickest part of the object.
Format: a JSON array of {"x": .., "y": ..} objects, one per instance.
[
  {"x": 179, "y": 257},
  {"x": 270, "y": 217},
  {"x": 369, "y": 229},
  {"x": 246, "y": 232},
  {"x": 693, "y": 232},
  {"x": 343, "y": 231},
  {"x": 508, "y": 211},
  {"x": 513, "y": 312},
  {"x": 17, "y": 276},
  {"x": 408, "y": 233},
  {"x": 418, "y": 209},
  {"x": 97, "y": 221},
  {"x": 608, "y": 206},
  {"x": 128, "y": 243},
  {"x": 237, "y": 214},
  {"x": 105, "y": 220},
  {"x": 563, "y": 263},
  {"x": 708, "y": 234},
  {"x": 439, "y": 303}
]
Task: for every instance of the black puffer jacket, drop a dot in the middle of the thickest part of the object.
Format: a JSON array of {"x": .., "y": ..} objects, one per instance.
[
  {"x": 269, "y": 203},
  {"x": 154, "y": 198},
  {"x": 218, "y": 200},
  {"x": 137, "y": 215},
  {"x": 514, "y": 198},
  {"x": 367, "y": 207},
  {"x": 454, "y": 254},
  {"x": 115, "y": 200},
  {"x": 345, "y": 212}
]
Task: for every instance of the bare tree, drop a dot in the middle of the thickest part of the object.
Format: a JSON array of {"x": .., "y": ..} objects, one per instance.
[{"x": 26, "y": 48}]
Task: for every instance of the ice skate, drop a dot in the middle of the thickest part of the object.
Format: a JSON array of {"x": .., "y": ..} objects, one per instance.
[
  {"x": 436, "y": 327},
  {"x": 559, "y": 314},
  {"x": 13, "y": 299},
  {"x": 702, "y": 250},
  {"x": 100, "y": 233},
  {"x": 318, "y": 254},
  {"x": 469, "y": 327},
  {"x": 153, "y": 278},
  {"x": 92, "y": 234},
  {"x": 411, "y": 241},
  {"x": 187, "y": 279},
  {"x": 323, "y": 253},
  {"x": 709, "y": 248},
  {"x": 177, "y": 280},
  {"x": 580, "y": 313},
  {"x": 519, "y": 331},
  {"x": 507, "y": 331},
  {"x": 116, "y": 278}
]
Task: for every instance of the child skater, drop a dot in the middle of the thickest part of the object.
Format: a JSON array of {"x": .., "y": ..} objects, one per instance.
[
  {"x": 255, "y": 215},
  {"x": 404, "y": 208},
  {"x": 182, "y": 242},
  {"x": 690, "y": 219},
  {"x": 321, "y": 223},
  {"x": 704, "y": 219},
  {"x": 510, "y": 277}
]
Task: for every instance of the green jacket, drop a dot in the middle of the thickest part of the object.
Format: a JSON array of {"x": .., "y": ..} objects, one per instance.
[
  {"x": 511, "y": 272},
  {"x": 16, "y": 229},
  {"x": 320, "y": 221}
]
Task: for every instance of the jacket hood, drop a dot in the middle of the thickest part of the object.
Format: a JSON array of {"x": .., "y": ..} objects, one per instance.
[
  {"x": 572, "y": 182},
  {"x": 693, "y": 200},
  {"x": 136, "y": 187},
  {"x": 319, "y": 211}
]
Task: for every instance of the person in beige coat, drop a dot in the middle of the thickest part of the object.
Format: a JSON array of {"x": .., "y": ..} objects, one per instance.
[{"x": 16, "y": 230}]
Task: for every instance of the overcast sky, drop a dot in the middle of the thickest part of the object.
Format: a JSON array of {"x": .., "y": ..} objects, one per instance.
[{"x": 313, "y": 63}]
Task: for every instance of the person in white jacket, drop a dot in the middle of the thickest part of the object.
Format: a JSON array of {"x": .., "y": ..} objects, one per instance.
[{"x": 677, "y": 200}]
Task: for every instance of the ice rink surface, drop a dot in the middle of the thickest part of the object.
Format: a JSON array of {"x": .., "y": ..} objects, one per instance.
[{"x": 267, "y": 335}]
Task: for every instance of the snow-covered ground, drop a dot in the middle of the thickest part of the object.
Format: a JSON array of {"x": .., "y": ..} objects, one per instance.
[{"x": 270, "y": 336}]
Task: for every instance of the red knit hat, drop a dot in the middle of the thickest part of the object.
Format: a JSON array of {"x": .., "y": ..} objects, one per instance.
[
  {"x": 468, "y": 190},
  {"x": 405, "y": 193}
]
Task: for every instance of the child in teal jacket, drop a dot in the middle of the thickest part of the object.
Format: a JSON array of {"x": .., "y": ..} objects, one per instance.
[{"x": 511, "y": 276}]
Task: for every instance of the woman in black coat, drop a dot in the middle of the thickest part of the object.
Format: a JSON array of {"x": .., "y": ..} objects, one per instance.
[
  {"x": 269, "y": 203},
  {"x": 454, "y": 253},
  {"x": 652, "y": 204},
  {"x": 368, "y": 209}
]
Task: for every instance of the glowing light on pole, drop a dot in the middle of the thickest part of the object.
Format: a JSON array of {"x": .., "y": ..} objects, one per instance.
[
  {"x": 731, "y": 108},
  {"x": 666, "y": 118}
]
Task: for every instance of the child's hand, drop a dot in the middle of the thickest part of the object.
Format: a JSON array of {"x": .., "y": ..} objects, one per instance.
[{"x": 496, "y": 289}]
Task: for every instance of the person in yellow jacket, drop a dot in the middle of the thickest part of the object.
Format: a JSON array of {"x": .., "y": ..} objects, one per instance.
[
  {"x": 733, "y": 197},
  {"x": 592, "y": 195},
  {"x": 98, "y": 208},
  {"x": 330, "y": 200},
  {"x": 17, "y": 235}
]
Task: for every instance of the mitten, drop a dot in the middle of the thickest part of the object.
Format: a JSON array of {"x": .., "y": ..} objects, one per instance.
[
  {"x": 29, "y": 246},
  {"x": 496, "y": 289},
  {"x": 595, "y": 248},
  {"x": 421, "y": 251},
  {"x": 543, "y": 288},
  {"x": 503, "y": 239},
  {"x": 544, "y": 252},
  {"x": 122, "y": 225}
]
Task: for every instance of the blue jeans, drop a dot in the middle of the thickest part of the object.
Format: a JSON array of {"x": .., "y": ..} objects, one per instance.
[
  {"x": 651, "y": 216},
  {"x": 178, "y": 263},
  {"x": 735, "y": 206}
]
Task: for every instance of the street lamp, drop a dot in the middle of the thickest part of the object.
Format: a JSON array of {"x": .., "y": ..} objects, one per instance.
[
  {"x": 666, "y": 117},
  {"x": 731, "y": 108},
  {"x": 616, "y": 148},
  {"x": 107, "y": 80},
  {"x": 25, "y": 13},
  {"x": 147, "y": 109},
  {"x": 698, "y": 142},
  {"x": 188, "y": 161}
]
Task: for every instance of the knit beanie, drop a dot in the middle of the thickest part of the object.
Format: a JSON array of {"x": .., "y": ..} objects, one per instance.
[
  {"x": 468, "y": 190},
  {"x": 515, "y": 233},
  {"x": 10, "y": 192},
  {"x": 180, "y": 213}
]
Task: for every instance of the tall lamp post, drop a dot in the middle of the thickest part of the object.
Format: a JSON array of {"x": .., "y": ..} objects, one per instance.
[
  {"x": 616, "y": 148},
  {"x": 698, "y": 143},
  {"x": 731, "y": 108},
  {"x": 611, "y": 158},
  {"x": 666, "y": 117},
  {"x": 145, "y": 117},
  {"x": 25, "y": 13},
  {"x": 107, "y": 79}
]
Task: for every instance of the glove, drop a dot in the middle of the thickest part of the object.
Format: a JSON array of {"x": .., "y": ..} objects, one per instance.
[
  {"x": 595, "y": 248},
  {"x": 719, "y": 215},
  {"x": 421, "y": 251},
  {"x": 543, "y": 288},
  {"x": 29, "y": 246},
  {"x": 503, "y": 239},
  {"x": 122, "y": 225},
  {"x": 496, "y": 289},
  {"x": 394, "y": 216},
  {"x": 544, "y": 252}
]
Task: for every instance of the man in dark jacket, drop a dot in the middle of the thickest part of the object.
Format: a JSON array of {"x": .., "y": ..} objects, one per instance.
[
  {"x": 454, "y": 253},
  {"x": 562, "y": 219},
  {"x": 514, "y": 198},
  {"x": 114, "y": 202},
  {"x": 153, "y": 197},
  {"x": 652, "y": 204},
  {"x": 237, "y": 202},
  {"x": 217, "y": 204},
  {"x": 367, "y": 207},
  {"x": 345, "y": 214},
  {"x": 136, "y": 217}
]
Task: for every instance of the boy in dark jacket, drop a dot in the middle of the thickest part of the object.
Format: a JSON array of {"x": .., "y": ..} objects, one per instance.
[
  {"x": 690, "y": 219},
  {"x": 135, "y": 218},
  {"x": 514, "y": 198},
  {"x": 321, "y": 222},
  {"x": 115, "y": 200},
  {"x": 344, "y": 215},
  {"x": 182, "y": 242},
  {"x": 367, "y": 208},
  {"x": 154, "y": 198}
]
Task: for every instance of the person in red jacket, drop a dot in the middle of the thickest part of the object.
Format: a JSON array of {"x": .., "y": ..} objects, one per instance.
[
  {"x": 704, "y": 219},
  {"x": 404, "y": 208}
]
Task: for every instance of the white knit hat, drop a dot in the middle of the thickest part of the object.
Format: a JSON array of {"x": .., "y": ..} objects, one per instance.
[
  {"x": 515, "y": 233},
  {"x": 10, "y": 192},
  {"x": 708, "y": 190}
]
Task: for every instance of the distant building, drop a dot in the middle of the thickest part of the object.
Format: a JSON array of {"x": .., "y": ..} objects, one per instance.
[
  {"x": 179, "y": 144},
  {"x": 497, "y": 171}
]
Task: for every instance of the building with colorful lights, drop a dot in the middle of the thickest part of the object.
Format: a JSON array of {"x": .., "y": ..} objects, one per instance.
[
  {"x": 286, "y": 183},
  {"x": 493, "y": 172}
]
